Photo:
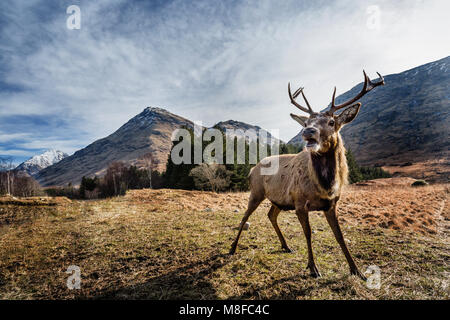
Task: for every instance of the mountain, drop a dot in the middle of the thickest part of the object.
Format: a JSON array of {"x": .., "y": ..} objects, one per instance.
[
  {"x": 241, "y": 127},
  {"x": 405, "y": 121},
  {"x": 148, "y": 132},
  {"x": 296, "y": 140},
  {"x": 39, "y": 162}
]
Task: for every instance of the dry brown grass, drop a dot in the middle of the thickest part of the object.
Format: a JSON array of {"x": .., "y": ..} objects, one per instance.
[
  {"x": 161, "y": 244},
  {"x": 436, "y": 170},
  {"x": 387, "y": 203},
  {"x": 397, "y": 207},
  {"x": 33, "y": 201}
]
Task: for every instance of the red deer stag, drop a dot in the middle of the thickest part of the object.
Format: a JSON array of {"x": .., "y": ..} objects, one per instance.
[{"x": 312, "y": 179}]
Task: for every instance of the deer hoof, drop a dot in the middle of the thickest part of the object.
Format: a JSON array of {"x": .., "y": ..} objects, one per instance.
[
  {"x": 314, "y": 272},
  {"x": 232, "y": 250},
  {"x": 356, "y": 272},
  {"x": 286, "y": 249}
]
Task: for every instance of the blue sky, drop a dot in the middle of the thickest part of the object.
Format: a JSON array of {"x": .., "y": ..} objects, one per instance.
[{"x": 205, "y": 60}]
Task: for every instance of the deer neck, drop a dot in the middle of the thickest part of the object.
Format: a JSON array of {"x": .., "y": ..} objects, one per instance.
[{"x": 329, "y": 169}]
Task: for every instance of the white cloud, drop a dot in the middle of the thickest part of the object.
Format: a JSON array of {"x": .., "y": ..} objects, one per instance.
[
  {"x": 13, "y": 136},
  {"x": 13, "y": 152},
  {"x": 69, "y": 146},
  {"x": 206, "y": 61}
]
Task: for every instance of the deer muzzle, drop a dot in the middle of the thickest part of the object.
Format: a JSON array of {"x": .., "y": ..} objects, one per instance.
[{"x": 311, "y": 136}]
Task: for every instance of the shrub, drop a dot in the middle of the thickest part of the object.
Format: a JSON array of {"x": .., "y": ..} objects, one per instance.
[
  {"x": 418, "y": 183},
  {"x": 214, "y": 177},
  {"x": 357, "y": 173},
  {"x": 69, "y": 192}
]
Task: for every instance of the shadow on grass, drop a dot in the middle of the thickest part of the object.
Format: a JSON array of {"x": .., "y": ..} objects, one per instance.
[
  {"x": 304, "y": 287},
  {"x": 191, "y": 281}
]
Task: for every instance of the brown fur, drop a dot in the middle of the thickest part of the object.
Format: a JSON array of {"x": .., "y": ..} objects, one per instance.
[
  {"x": 310, "y": 180},
  {"x": 298, "y": 178}
]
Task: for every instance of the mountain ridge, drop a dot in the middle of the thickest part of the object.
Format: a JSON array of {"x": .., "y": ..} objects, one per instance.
[
  {"x": 148, "y": 132},
  {"x": 239, "y": 125},
  {"x": 404, "y": 121}
]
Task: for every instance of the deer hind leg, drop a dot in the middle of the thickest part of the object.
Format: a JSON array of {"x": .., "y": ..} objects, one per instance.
[
  {"x": 253, "y": 203},
  {"x": 273, "y": 216},
  {"x": 334, "y": 224},
  {"x": 303, "y": 217}
]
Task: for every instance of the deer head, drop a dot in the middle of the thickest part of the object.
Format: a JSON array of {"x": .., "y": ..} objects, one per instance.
[{"x": 321, "y": 129}]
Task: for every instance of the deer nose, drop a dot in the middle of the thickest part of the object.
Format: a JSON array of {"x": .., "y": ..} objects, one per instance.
[{"x": 309, "y": 132}]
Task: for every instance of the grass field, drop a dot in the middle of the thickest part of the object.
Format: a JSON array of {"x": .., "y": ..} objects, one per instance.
[{"x": 173, "y": 244}]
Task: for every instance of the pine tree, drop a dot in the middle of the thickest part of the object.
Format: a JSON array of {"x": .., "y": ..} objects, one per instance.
[
  {"x": 177, "y": 176},
  {"x": 83, "y": 188},
  {"x": 354, "y": 173}
]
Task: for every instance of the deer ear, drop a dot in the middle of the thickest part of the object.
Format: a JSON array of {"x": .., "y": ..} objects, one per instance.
[
  {"x": 300, "y": 119},
  {"x": 349, "y": 114}
]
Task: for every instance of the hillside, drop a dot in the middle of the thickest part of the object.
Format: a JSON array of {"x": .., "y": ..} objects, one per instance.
[
  {"x": 39, "y": 162},
  {"x": 173, "y": 244},
  {"x": 149, "y": 131},
  {"x": 402, "y": 123},
  {"x": 406, "y": 121},
  {"x": 238, "y": 125}
]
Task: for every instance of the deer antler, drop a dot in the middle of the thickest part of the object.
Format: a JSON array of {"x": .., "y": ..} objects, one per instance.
[
  {"x": 368, "y": 85},
  {"x": 296, "y": 93}
]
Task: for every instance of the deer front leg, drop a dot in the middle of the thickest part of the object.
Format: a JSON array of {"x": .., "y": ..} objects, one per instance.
[
  {"x": 302, "y": 213},
  {"x": 253, "y": 203},
  {"x": 334, "y": 224}
]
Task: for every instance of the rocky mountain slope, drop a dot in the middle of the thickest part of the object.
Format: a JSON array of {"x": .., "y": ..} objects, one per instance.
[
  {"x": 38, "y": 162},
  {"x": 241, "y": 127},
  {"x": 148, "y": 132},
  {"x": 406, "y": 121}
]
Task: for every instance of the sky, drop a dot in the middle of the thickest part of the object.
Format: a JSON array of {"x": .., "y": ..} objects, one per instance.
[{"x": 208, "y": 61}]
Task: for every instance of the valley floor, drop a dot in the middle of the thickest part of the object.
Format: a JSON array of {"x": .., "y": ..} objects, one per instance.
[{"x": 173, "y": 244}]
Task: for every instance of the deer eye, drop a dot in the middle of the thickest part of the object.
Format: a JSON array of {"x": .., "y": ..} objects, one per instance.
[{"x": 331, "y": 123}]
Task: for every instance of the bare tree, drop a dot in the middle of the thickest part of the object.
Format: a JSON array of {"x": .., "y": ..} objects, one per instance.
[
  {"x": 149, "y": 164},
  {"x": 115, "y": 179},
  {"x": 7, "y": 166},
  {"x": 25, "y": 186},
  {"x": 16, "y": 183},
  {"x": 211, "y": 176}
]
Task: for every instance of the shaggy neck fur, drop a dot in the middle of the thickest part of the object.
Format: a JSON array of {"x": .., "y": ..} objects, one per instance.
[{"x": 330, "y": 169}]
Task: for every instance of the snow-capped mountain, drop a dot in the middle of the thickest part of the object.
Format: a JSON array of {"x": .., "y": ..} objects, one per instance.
[
  {"x": 148, "y": 132},
  {"x": 35, "y": 164}
]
